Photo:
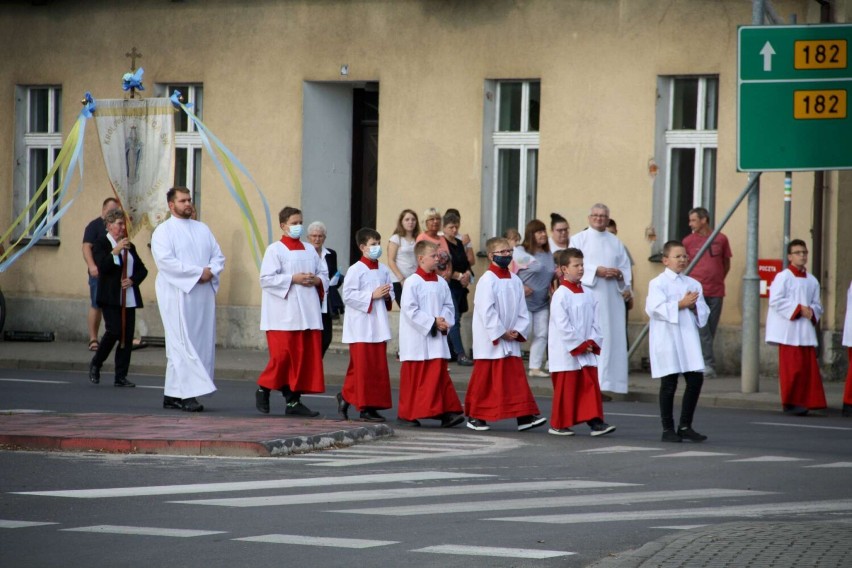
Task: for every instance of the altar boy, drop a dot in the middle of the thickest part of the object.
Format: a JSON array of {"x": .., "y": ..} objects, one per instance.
[
  {"x": 425, "y": 388},
  {"x": 573, "y": 344},
  {"x": 794, "y": 311},
  {"x": 368, "y": 295},
  {"x": 677, "y": 309},
  {"x": 498, "y": 386}
]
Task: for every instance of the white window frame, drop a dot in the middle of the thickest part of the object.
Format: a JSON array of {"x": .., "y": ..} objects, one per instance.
[
  {"x": 700, "y": 139},
  {"x": 26, "y": 140},
  {"x": 523, "y": 140},
  {"x": 190, "y": 139}
]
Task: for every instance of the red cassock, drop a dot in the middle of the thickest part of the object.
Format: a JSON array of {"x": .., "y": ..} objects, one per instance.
[
  {"x": 847, "y": 393},
  {"x": 367, "y": 383},
  {"x": 576, "y": 397},
  {"x": 798, "y": 370},
  {"x": 426, "y": 390},
  {"x": 295, "y": 361},
  {"x": 498, "y": 389}
]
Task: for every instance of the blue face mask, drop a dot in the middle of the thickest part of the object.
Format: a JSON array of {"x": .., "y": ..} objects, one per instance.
[
  {"x": 375, "y": 252},
  {"x": 502, "y": 261},
  {"x": 295, "y": 231}
]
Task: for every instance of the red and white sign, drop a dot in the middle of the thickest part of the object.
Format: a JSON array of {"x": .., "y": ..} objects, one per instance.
[{"x": 767, "y": 270}]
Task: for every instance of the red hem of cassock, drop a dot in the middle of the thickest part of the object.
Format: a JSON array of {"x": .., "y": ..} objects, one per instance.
[
  {"x": 426, "y": 390},
  {"x": 576, "y": 397},
  {"x": 800, "y": 381},
  {"x": 498, "y": 389},
  {"x": 295, "y": 361},
  {"x": 847, "y": 393},
  {"x": 367, "y": 383}
]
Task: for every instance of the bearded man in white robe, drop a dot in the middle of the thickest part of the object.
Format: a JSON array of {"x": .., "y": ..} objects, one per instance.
[
  {"x": 189, "y": 262},
  {"x": 607, "y": 276}
]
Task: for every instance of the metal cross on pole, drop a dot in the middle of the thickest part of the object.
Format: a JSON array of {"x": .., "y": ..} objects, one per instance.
[{"x": 133, "y": 54}]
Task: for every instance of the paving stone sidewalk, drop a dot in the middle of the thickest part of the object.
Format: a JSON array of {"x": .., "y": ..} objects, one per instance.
[{"x": 821, "y": 544}]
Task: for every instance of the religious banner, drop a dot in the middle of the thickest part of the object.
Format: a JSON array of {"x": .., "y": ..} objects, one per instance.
[{"x": 137, "y": 141}]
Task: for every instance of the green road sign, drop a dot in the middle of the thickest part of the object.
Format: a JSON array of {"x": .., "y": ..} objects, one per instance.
[{"x": 793, "y": 98}]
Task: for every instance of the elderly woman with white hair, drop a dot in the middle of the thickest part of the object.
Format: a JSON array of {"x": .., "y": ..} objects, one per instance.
[{"x": 317, "y": 234}]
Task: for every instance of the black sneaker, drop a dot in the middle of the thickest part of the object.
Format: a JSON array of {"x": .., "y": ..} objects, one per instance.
[
  {"x": 601, "y": 428},
  {"x": 478, "y": 425},
  {"x": 671, "y": 436},
  {"x": 795, "y": 410},
  {"x": 261, "y": 400},
  {"x": 342, "y": 407},
  {"x": 298, "y": 409},
  {"x": 450, "y": 420},
  {"x": 94, "y": 374},
  {"x": 122, "y": 382},
  {"x": 464, "y": 361},
  {"x": 409, "y": 423},
  {"x": 172, "y": 402},
  {"x": 687, "y": 433},
  {"x": 191, "y": 405},
  {"x": 372, "y": 416},
  {"x": 530, "y": 422}
]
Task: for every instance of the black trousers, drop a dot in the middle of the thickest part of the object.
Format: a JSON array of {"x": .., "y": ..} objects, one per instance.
[
  {"x": 668, "y": 388},
  {"x": 112, "y": 335},
  {"x": 326, "y": 332}
]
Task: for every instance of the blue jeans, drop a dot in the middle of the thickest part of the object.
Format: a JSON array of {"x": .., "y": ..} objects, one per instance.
[{"x": 454, "y": 335}]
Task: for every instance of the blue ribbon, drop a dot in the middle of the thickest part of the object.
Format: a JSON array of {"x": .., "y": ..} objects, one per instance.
[
  {"x": 89, "y": 105},
  {"x": 133, "y": 80}
]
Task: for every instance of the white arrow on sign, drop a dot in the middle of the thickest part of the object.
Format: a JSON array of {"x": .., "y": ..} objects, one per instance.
[{"x": 767, "y": 52}]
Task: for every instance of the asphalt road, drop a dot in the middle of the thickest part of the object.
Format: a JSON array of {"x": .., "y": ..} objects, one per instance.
[{"x": 427, "y": 497}]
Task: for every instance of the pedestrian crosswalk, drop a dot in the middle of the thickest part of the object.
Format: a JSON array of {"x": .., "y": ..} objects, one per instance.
[{"x": 418, "y": 495}]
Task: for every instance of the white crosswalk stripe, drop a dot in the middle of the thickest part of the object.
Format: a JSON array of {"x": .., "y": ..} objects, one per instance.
[
  {"x": 9, "y": 524},
  {"x": 317, "y": 541},
  {"x": 494, "y": 551},
  {"x": 142, "y": 531}
]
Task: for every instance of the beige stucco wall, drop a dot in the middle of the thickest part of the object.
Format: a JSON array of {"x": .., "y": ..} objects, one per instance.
[{"x": 598, "y": 62}]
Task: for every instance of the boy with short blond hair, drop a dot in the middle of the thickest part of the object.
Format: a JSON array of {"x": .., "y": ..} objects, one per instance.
[
  {"x": 427, "y": 315},
  {"x": 677, "y": 309},
  {"x": 368, "y": 296},
  {"x": 574, "y": 342},
  {"x": 498, "y": 386}
]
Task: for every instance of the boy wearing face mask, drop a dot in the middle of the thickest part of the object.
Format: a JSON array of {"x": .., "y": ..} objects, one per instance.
[
  {"x": 573, "y": 342},
  {"x": 293, "y": 282},
  {"x": 498, "y": 386},
  {"x": 368, "y": 296}
]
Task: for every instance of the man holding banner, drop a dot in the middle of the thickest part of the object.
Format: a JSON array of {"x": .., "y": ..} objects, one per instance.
[{"x": 189, "y": 262}]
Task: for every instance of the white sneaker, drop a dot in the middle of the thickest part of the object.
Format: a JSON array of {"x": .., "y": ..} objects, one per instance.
[
  {"x": 561, "y": 431},
  {"x": 538, "y": 373}
]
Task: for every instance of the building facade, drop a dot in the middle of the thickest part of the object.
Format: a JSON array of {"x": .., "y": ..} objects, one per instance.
[{"x": 507, "y": 110}]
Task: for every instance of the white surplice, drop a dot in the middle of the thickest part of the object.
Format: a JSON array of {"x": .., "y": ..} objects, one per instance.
[
  {"x": 674, "y": 344},
  {"x": 498, "y": 307},
  {"x": 847, "y": 326},
  {"x": 573, "y": 321},
  {"x": 602, "y": 248},
  {"x": 285, "y": 306},
  {"x": 182, "y": 248},
  {"x": 786, "y": 294},
  {"x": 365, "y": 319},
  {"x": 421, "y": 303}
]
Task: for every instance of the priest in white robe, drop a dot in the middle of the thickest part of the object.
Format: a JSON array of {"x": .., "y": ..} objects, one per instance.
[
  {"x": 189, "y": 262},
  {"x": 794, "y": 311},
  {"x": 608, "y": 276}
]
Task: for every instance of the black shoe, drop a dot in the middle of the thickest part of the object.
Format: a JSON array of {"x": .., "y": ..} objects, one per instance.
[
  {"x": 191, "y": 405},
  {"x": 687, "y": 433},
  {"x": 371, "y": 416},
  {"x": 847, "y": 411},
  {"x": 261, "y": 400},
  {"x": 172, "y": 402},
  {"x": 94, "y": 374},
  {"x": 451, "y": 420},
  {"x": 795, "y": 410},
  {"x": 464, "y": 361},
  {"x": 342, "y": 407},
  {"x": 478, "y": 425},
  {"x": 122, "y": 382},
  {"x": 671, "y": 436},
  {"x": 530, "y": 422},
  {"x": 409, "y": 423},
  {"x": 298, "y": 409},
  {"x": 601, "y": 428}
]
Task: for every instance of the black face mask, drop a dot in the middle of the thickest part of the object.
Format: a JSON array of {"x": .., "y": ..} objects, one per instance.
[{"x": 502, "y": 261}]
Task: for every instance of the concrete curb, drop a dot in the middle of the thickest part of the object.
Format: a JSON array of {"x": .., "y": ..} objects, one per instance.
[{"x": 303, "y": 444}]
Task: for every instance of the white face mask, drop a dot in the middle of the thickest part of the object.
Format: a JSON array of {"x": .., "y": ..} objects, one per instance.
[
  {"x": 375, "y": 252},
  {"x": 295, "y": 231}
]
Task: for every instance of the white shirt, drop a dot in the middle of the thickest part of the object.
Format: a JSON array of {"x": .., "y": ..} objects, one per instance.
[
  {"x": 573, "y": 321},
  {"x": 847, "y": 326},
  {"x": 786, "y": 294},
  {"x": 365, "y": 319},
  {"x": 498, "y": 306},
  {"x": 422, "y": 301},
  {"x": 285, "y": 305},
  {"x": 405, "y": 260},
  {"x": 675, "y": 346}
]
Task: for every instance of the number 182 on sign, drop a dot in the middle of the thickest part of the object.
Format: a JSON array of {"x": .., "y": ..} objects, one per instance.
[{"x": 825, "y": 104}]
